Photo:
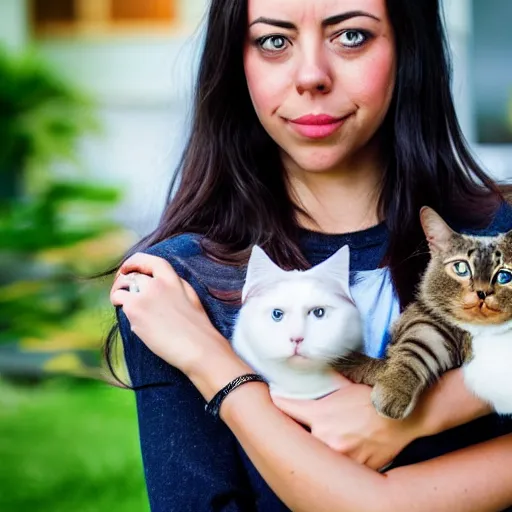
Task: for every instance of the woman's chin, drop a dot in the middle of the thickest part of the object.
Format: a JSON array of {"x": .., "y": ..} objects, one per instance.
[
  {"x": 317, "y": 163},
  {"x": 315, "y": 157}
]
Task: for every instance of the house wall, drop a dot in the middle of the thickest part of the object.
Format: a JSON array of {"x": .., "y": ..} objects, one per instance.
[{"x": 13, "y": 25}]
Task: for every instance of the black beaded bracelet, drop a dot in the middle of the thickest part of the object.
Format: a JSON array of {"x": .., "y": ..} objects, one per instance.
[{"x": 213, "y": 406}]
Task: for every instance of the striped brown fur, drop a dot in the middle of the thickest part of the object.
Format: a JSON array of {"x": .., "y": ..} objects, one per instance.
[{"x": 428, "y": 338}]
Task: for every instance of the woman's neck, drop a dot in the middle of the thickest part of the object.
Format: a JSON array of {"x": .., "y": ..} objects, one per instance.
[{"x": 341, "y": 200}]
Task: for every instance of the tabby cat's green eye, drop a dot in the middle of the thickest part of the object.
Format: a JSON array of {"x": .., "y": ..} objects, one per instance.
[
  {"x": 461, "y": 268},
  {"x": 504, "y": 277}
]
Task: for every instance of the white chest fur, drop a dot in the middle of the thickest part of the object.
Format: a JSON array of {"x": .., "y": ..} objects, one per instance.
[{"x": 489, "y": 373}]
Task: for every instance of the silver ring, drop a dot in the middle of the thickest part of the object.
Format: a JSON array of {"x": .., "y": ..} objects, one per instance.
[{"x": 134, "y": 287}]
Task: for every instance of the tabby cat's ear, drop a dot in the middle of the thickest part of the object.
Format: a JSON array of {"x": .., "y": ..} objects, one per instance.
[
  {"x": 439, "y": 235},
  {"x": 260, "y": 268}
]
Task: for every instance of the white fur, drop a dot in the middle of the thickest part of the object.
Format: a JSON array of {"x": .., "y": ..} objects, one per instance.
[
  {"x": 266, "y": 344},
  {"x": 489, "y": 374}
]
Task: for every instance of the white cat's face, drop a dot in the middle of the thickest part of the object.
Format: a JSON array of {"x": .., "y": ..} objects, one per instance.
[{"x": 305, "y": 319}]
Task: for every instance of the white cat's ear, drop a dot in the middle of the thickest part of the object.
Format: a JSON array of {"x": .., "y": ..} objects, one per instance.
[
  {"x": 336, "y": 267},
  {"x": 439, "y": 235},
  {"x": 260, "y": 268}
]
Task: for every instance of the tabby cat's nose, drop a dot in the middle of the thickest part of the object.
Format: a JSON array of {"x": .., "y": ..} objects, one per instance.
[
  {"x": 481, "y": 294},
  {"x": 298, "y": 341}
]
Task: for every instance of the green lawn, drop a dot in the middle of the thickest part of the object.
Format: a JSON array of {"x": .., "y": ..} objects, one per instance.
[{"x": 69, "y": 446}]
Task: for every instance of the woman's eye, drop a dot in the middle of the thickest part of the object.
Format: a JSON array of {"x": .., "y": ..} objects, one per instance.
[
  {"x": 319, "y": 312},
  {"x": 461, "y": 268},
  {"x": 273, "y": 43},
  {"x": 277, "y": 315},
  {"x": 352, "y": 38},
  {"x": 504, "y": 277}
]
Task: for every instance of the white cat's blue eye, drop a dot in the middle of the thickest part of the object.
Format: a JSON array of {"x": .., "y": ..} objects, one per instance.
[
  {"x": 277, "y": 315},
  {"x": 461, "y": 268},
  {"x": 319, "y": 312},
  {"x": 504, "y": 277}
]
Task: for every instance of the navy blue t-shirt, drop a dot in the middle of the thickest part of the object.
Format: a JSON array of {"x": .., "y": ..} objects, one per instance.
[{"x": 193, "y": 462}]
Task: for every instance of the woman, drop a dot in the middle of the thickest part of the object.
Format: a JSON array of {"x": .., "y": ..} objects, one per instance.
[{"x": 317, "y": 123}]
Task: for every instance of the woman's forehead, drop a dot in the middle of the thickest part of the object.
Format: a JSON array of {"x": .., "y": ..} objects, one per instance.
[{"x": 298, "y": 11}]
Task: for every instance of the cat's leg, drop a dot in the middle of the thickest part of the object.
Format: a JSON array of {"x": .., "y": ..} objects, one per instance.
[
  {"x": 416, "y": 359},
  {"x": 397, "y": 391},
  {"x": 360, "y": 368}
]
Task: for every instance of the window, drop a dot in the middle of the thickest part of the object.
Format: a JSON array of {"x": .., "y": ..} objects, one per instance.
[
  {"x": 157, "y": 10},
  {"x": 68, "y": 17},
  {"x": 55, "y": 11},
  {"x": 492, "y": 71}
]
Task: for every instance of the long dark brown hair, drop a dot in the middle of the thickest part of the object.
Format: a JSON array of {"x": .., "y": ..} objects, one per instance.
[{"x": 230, "y": 186}]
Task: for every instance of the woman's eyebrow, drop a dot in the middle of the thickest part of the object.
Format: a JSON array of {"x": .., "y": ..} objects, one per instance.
[
  {"x": 339, "y": 18},
  {"x": 327, "y": 22},
  {"x": 275, "y": 23}
]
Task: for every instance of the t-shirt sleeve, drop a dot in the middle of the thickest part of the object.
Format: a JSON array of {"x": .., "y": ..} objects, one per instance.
[{"x": 191, "y": 460}]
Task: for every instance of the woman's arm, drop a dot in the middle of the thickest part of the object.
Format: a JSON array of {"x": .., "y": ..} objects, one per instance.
[
  {"x": 347, "y": 422},
  {"x": 304, "y": 473},
  {"x": 190, "y": 461},
  {"x": 448, "y": 404},
  {"x": 307, "y": 475}
]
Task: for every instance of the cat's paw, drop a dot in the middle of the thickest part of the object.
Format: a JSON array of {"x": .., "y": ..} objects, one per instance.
[{"x": 392, "y": 403}]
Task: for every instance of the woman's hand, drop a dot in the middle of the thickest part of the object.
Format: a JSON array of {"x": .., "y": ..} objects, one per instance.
[
  {"x": 166, "y": 313},
  {"x": 347, "y": 422}
]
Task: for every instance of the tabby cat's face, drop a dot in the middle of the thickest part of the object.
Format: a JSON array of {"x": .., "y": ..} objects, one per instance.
[{"x": 470, "y": 279}]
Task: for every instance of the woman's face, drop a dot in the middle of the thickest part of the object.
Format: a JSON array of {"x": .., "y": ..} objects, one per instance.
[{"x": 321, "y": 75}]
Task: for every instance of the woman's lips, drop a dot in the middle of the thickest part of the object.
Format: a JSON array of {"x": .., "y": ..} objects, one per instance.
[{"x": 316, "y": 126}]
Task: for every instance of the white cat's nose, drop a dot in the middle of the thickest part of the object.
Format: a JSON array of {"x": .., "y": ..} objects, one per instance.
[{"x": 297, "y": 341}]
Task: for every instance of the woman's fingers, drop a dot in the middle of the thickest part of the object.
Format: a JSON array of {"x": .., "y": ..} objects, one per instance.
[
  {"x": 126, "y": 284},
  {"x": 127, "y": 281},
  {"x": 301, "y": 411},
  {"x": 135, "y": 272},
  {"x": 150, "y": 265},
  {"x": 139, "y": 268},
  {"x": 118, "y": 297}
]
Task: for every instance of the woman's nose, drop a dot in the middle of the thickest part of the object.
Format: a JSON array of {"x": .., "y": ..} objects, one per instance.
[{"x": 313, "y": 74}]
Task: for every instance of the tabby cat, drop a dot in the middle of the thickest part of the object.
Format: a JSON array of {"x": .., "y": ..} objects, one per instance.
[{"x": 462, "y": 317}]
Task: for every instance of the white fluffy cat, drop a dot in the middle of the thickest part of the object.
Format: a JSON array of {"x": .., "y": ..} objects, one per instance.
[{"x": 293, "y": 323}]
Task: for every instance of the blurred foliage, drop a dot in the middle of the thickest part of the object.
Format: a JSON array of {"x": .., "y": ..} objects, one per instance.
[
  {"x": 36, "y": 290},
  {"x": 69, "y": 446},
  {"x": 65, "y": 444},
  {"x": 43, "y": 117},
  {"x": 64, "y": 214},
  {"x": 53, "y": 232}
]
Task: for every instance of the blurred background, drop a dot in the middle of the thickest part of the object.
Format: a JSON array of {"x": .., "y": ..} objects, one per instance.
[{"x": 95, "y": 100}]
